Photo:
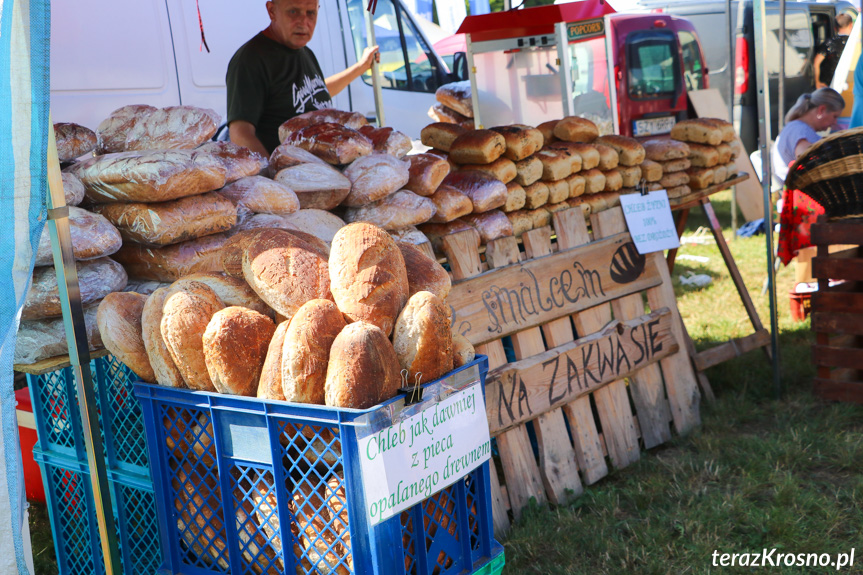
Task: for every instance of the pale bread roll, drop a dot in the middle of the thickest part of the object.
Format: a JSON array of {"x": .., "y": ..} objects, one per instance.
[
  {"x": 725, "y": 151},
  {"x": 239, "y": 161},
  {"x": 287, "y": 156},
  {"x": 613, "y": 181},
  {"x": 336, "y": 144},
  {"x": 450, "y": 204},
  {"x": 235, "y": 347},
  {"x": 576, "y": 129},
  {"x": 521, "y": 141},
  {"x": 164, "y": 369},
  {"x": 720, "y": 174},
  {"x": 111, "y": 133},
  {"x": 491, "y": 225},
  {"x": 170, "y": 263},
  {"x": 577, "y": 185},
  {"x": 520, "y": 221},
  {"x": 580, "y": 203},
  {"x": 698, "y": 131},
  {"x": 270, "y": 384},
  {"x": 368, "y": 274},
  {"x": 173, "y": 128},
  {"x": 463, "y": 351},
  {"x": 477, "y": 147},
  {"x": 232, "y": 291},
  {"x": 608, "y": 157},
  {"x": 188, "y": 308},
  {"x": 396, "y": 211},
  {"x": 317, "y": 186},
  {"x": 515, "y": 197},
  {"x": 731, "y": 170},
  {"x": 422, "y": 338},
  {"x": 93, "y": 236},
  {"x": 440, "y": 113},
  {"x": 528, "y": 171},
  {"x": 119, "y": 321},
  {"x": 557, "y": 191},
  {"x": 73, "y": 141},
  {"x": 486, "y": 193},
  {"x": 363, "y": 369},
  {"x": 502, "y": 169},
  {"x": 663, "y": 149},
  {"x": 425, "y": 174},
  {"x": 436, "y": 232},
  {"x": 674, "y": 179},
  {"x": 679, "y": 191},
  {"x": 651, "y": 170},
  {"x": 701, "y": 156},
  {"x": 535, "y": 195},
  {"x": 557, "y": 207},
  {"x": 700, "y": 178},
  {"x": 547, "y": 131},
  {"x": 375, "y": 177},
  {"x": 589, "y": 154},
  {"x": 96, "y": 279},
  {"x": 654, "y": 187},
  {"x": 736, "y": 148},
  {"x": 441, "y": 135},
  {"x": 727, "y": 128},
  {"x": 73, "y": 189},
  {"x": 556, "y": 164},
  {"x": 387, "y": 141},
  {"x": 540, "y": 216},
  {"x": 671, "y": 166},
  {"x": 424, "y": 273},
  {"x": 631, "y": 175},
  {"x": 261, "y": 195},
  {"x": 594, "y": 181},
  {"x": 630, "y": 151},
  {"x": 306, "y": 350},
  {"x": 286, "y": 270},
  {"x": 319, "y": 223}
]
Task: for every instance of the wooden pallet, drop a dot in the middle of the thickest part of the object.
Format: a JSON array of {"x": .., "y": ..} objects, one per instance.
[
  {"x": 837, "y": 312},
  {"x": 53, "y": 363},
  {"x": 586, "y": 353}
]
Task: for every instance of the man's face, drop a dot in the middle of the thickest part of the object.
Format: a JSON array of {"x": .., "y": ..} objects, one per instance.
[{"x": 293, "y": 21}]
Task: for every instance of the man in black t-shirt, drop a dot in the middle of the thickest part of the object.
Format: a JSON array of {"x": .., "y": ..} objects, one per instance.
[
  {"x": 827, "y": 54},
  {"x": 274, "y": 76}
]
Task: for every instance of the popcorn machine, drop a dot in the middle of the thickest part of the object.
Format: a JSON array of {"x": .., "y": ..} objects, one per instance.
[{"x": 538, "y": 64}]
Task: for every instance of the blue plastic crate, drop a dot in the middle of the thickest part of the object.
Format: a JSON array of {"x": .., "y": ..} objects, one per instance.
[
  {"x": 73, "y": 521},
  {"x": 229, "y": 471}
]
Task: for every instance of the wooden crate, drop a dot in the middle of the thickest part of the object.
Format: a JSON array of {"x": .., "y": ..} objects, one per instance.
[{"x": 837, "y": 312}]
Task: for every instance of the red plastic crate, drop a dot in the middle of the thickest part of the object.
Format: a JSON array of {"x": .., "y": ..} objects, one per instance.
[{"x": 33, "y": 485}]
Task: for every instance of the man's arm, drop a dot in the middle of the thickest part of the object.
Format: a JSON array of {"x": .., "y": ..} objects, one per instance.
[
  {"x": 816, "y": 64},
  {"x": 338, "y": 82},
  {"x": 243, "y": 134}
]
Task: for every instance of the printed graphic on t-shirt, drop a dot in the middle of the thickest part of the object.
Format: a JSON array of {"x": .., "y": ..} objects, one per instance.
[{"x": 305, "y": 94}]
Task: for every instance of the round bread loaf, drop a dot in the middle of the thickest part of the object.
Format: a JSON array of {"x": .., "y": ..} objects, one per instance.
[
  {"x": 286, "y": 270},
  {"x": 96, "y": 279},
  {"x": 492, "y": 225},
  {"x": 111, "y": 133},
  {"x": 306, "y": 350},
  {"x": 423, "y": 338},
  {"x": 93, "y": 236},
  {"x": 424, "y": 273},
  {"x": 73, "y": 189},
  {"x": 463, "y": 351},
  {"x": 436, "y": 232},
  {"x": 368, "y": 275},
  {"x": 232, "y": 291},
  {"x": 261, "y": 195},
  {"x": 375, "y": 177},
  {"x": 173, "y": 128},
  {"x": 164, "y": 369},
  {"x": 239, "y": 161},
  {"x": 363, "y": 369},
  {"x": 270, "y": 384},
  {"x": 119, "y": 321},
  {"x": 189, "y": 307},
  {"x": 232, "y": 252},
  {"x": 235, "y": 347},
  {"x": 73, "y": 141}
]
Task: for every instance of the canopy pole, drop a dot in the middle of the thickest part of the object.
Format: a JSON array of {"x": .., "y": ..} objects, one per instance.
[
  {"x": 79, "y": 354},
  {"x": 732, "y": 74},
  {"x": 376, "y": 78},
  {"x": 780, "y": 104},
  {"x": 762, "y": 79}
]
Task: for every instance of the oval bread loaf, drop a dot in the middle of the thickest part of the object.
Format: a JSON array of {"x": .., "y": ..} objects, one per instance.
[
  {"x": 173, "y": 128},
  {"x": 486, "y": 193},
  {"x": 502, "y": 169},
  {"x": 491, "y": 225},
  {"x": 351, "y": 120},
  {"x": 387, "y": 141},
  {"x": 424, "y": 273},
  {"x": 93, "y": 236},
  {"x": 45, "y": 338},
  {"x": 395, "y": 212},
  {"x": 111, "y": 133},
  {"x": 423, "y": 339},
  {"x": 450, "y": 204},
  {"x": 232, "y": 291},
  {"x": 674, "y": 179},
  {"x": 333, "y": 143},
  {"x": 287, "y": 156},
  {"x": 239, "y": 161},
  {"x": 164, "y": 369},
  {"x": 170, "y": 263},
  {"x": 235, "y": 346},
  {"x": 73, "y": 189},
  {"x": 317, "y": 186},
  {"x": 698, "y": 131},
  {"x": 678, "y": 165},
  {"x": 463, "y": 351},
  {"x": 96, "y": 279},
  {"x": 119, "y": 321},
  {"x": 306, "y": 350},
  {"x": 375, "y": 177},
  {"x": 456, "y": 96},
  {"x": 436, "y": 232},
  {"x": 261, "y": 195},
  {"x": 270, "y": 384},
  {"x": 363, "y": 369},
  {"x": 425, "y": 174},
  {"x": 576, "y": 129},
  {"x": 588, "y": 153},
  {"x": 319, "y": 223}
]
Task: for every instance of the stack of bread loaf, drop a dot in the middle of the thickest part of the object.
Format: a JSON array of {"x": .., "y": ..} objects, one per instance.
[
  {"x": 454, "y": 105},
  {"x": 713, "y": 147},
  {"x": 672, "y": 158}
]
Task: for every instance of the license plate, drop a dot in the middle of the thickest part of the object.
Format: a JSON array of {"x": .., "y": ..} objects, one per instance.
[{"x": 653, "y": 126}]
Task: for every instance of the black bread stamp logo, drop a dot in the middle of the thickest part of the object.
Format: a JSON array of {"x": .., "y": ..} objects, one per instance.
[{"x": 627, "y": 264}]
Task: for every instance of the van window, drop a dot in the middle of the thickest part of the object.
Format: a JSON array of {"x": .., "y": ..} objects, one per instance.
[
  {"x": 713, "y": 31},
  {"x": 405, "y": 58},
  {"x": 590, "y": 83},
  {"x": 653, "y": 67},
  {"x": 798, "y": 42},
  {"x": 693, "y": 67}
]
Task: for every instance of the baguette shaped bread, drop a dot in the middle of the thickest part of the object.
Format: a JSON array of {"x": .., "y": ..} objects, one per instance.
[
  {"x": 164, "y": 369},
  {"x": 528, "y": 171},
  {"x": 239, "y": 161},
  {"x": 441, "y": 135},
  {"x": 663, "y": 149},
  {"x": 286, "y": 270},
  {"x": 374, "y": 178},
  {"x": 576, "y": 129},
  {"x": 368, "y": 275},
  {"x": 700, "y": 178},
  {"x": 477, "y": 147},
  {"x": 235, "y": 347},
  {"x": 491, "y": 225},
  {"x": 149, "y": 176},
  {"x": 440, "y": 113},
  {"x": 515, "y": 197},
  {"x": 119, "y": 321},
  {"x": 630, "y": 151},
  {"x": 317, "y": 186},
  {"x": 556, "y": 164},
  {"x": 540, "y": 217},
  {"x": 436, "y": 232},
  {"x": 702, "y": 156},
  {"x": 727, "y": 128},
  {"x": 651, "y": 171},
  {"x": 613, "y": 181},
  {"x": 456, "y": 96},
  {"x": 450, "y": 204},
  {"x": 287, "y": 156},
  {"x": 674, "y": 179},
  {"x": 232, "y": 291},
  {"x": 535, "y": 195},
  {"x": 387, "y": 140},
  {"x": 631, "y": 175},
  {"x": 396, "y": 211},
  {"x": 557, "y": 191},
  {"x": 363, "y": 369},
  {"x": 697, "y": 131},
  {"x": 45, "y": 338},
  {"x": 547, "y": 131},
  {"x": 350, "y": 120},
  {"x": 171, "y": 222},
  {"x": 463, "y": 351},
  {"x": 577, "y": 185},
  {"x": 73, "y": 141},
  {"x": 425, "y": 174},
  {"x": 93, "y": 237},
  {"x": 333, "y": 143},
  {"x": 96, "y": 279},
  {"x": 424, "y": 273},
  {"x": 594, "y": 181},
  {"x": 111, "y": 133},
  {"x": 260, "y": 195},
  {"x": 671, "y": 166},
  {"x": 486, "y": 193},
  {"x": 521, "y": 141},
  {"x": 319, "y": 223},
  {"x": 608, "y": 157},
  {"x": 170, "y": 263},
  {"x": 501, "y": 169},
  {"x": 173, "y": 128},
  {"x": 270, "y": 384},
  {"x": 189, "y": 306},
  {"x": 422, "y": 337},
  {"x": 306, "y": 350},
  {"x": 725, "y": 152},
  {"x": 588, "y": 153},
  {"x": 679, "y": 191},
  {"x": 520, "y": 221},
  {"x": 73, "y": 189}
]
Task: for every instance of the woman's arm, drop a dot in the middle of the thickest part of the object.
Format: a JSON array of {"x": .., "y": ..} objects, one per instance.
[{"x": 802, "y": 146}]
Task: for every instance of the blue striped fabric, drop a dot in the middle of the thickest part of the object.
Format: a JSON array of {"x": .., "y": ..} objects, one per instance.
[{"x": 24, "y": 100}]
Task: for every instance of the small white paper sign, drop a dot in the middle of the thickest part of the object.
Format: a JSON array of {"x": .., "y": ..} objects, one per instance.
[
  {"x": 412, "y": 460},
  {"x": 649, "y": 220}
]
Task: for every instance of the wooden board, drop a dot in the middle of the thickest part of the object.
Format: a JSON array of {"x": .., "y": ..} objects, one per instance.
[
  {"x": 837, "y": 323},
  {"x": 837, "y": 302},
  {"x": 838, "y": 268},
  {"x": 694, "y": 199},
  {"x": 750, "y": 195},
  {"x": 830, "y": 356},
  {"x": 833, "y": 390},
  {"x": 53, "y": 363},
  {"x": 838, "y": 232},
  {"x": 731, "y": 349}
]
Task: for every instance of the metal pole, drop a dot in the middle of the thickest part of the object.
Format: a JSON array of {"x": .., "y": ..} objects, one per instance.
[
  {"x": 780, "y": 97},
  {"x": 376, "y": 78},
  {"x": 763, "y": 93},
  {"x": 79, "y": 354},
  {"x": 732, "y": 74},
  {"x": 564, "y": 71},
  {"x": 474, "y": 92}
]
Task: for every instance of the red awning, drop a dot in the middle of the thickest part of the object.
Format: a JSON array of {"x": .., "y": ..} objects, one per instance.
[{"x": 531, "y": 21}]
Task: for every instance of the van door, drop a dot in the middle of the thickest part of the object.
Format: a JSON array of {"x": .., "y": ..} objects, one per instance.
[{"x": 799, "y": 51}]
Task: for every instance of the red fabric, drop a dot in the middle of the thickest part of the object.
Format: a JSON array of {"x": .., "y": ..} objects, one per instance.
[{"x": 799, "y": 211}]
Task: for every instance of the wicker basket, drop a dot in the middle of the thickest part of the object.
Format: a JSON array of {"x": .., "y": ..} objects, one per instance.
[{"x": 831, "y": 173}]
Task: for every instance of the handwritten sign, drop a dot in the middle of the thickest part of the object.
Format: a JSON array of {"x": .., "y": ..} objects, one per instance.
[
  {"x": 649, "y": 220},
  {"x": 412, "y": 460}
]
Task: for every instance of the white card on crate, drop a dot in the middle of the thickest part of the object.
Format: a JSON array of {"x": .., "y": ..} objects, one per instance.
[
  {"x": 411, "y": 460},
  {"x": 649, "y": 220}
]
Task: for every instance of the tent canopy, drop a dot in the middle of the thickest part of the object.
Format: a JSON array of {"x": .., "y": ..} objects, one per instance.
[{"x": 531, "y": 21}]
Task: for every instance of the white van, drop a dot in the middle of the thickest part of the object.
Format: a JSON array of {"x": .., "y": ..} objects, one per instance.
[{"x": 109, "y": 53}]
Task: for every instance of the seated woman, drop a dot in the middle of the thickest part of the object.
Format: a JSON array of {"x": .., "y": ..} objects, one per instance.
[{"x": 811, "y": 114}]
